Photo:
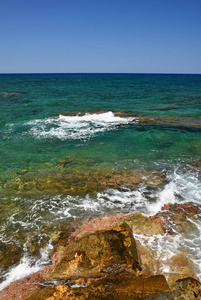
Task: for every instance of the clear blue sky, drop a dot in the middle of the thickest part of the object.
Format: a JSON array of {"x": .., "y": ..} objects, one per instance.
[{"x": 134, "y": 36}]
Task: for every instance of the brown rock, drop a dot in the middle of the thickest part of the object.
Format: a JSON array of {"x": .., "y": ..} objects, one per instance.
[
  {"x": 179, "y": 267},
  {"x": 23, "y": 287},
  {"x": 122, "y": 287},
  {"x": 176, "y": 217},
  {"x": 97, "y": 254},
  {"x": 189, "y": 287},
  {"x": 100, "y": 260},
  {"x": 149, "y": 264},
  {"x": 138, "y": 223},
  {"x": 185, "y": 289},
  {"x": 144, "y": 225}
]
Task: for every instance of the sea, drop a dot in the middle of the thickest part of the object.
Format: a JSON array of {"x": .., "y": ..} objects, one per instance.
[{"x": 56, "y": 129}]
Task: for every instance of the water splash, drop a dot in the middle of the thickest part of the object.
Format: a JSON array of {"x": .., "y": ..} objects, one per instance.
[
  {"x": 27, "y": 265},
  {"x": 76, "y": 127}
]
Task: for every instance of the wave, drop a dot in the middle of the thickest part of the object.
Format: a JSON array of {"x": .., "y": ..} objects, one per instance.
[{"x": 76, "y": 127}]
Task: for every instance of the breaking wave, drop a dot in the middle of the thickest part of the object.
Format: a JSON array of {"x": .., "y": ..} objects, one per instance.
[{"x": 76, "y": 127}]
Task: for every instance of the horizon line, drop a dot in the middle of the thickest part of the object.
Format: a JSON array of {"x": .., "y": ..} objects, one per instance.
[{"x": 122, "y": 73}]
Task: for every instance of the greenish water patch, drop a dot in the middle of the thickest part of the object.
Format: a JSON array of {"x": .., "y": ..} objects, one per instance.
[{"x": 58, "y": 168}]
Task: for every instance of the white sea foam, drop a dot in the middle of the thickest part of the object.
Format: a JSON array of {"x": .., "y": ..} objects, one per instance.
[
  {"x": 188, "y": 184},
  {"x": 124, "y": 200},
  {"x": 27, "y": 266},
  {"x": 145, "y": 199},
  {"x": 163, "y": 247},
  {"x": 192, "y": 244},
  {"x": 167, "y": 195},
  {"x": 76, "y": 127}
]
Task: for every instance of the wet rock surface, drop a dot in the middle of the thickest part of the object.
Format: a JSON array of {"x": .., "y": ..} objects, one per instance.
[
  {"x": 181, "y": 215},
  {"x": 185, "y": 289},
  {"x": 14, "y": 254},
  {"x": 100, "y": 259}
]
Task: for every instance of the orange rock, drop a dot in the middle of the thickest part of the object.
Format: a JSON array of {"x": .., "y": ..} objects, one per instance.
[
  {"x": 122, "y": 287},
  {"x": 97, "y": 254}
]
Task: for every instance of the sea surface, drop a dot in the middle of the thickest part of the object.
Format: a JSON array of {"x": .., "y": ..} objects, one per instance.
[{"x": 55, "y": 125}]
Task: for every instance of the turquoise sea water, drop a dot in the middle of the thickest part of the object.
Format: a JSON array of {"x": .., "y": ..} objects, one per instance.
[{"x": 49, "y": 118}]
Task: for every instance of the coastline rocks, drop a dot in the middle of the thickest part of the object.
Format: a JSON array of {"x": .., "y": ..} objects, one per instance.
[
  {"x": 101, "y": 265},
  {"x": 139, "y": 224},
  {"x": 100, "y": 259},
  {"x": 180, "y": 267},
  {"x": 98, "y": 254}
]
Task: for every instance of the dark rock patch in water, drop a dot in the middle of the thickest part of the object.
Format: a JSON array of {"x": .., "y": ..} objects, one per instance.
[{"x": 13, "y": 96}]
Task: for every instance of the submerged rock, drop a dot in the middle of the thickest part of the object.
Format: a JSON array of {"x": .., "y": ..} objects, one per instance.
[
  {"x": 171, "y": 121},
  {"x": 12, "y": 96},
  {"x": 13, "y": 255},
  {"x": 76, "y": 177},
  {"x": 79, "y": 113}
]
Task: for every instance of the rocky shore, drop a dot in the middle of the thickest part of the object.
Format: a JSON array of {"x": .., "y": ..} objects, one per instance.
[{"x": 110, "y": 258}]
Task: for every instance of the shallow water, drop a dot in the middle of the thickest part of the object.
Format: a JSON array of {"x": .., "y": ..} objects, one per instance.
[{"x": 52, "y": 125}]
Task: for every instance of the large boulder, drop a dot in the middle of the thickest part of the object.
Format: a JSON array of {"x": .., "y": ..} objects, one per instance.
[
  {"x": 97, "y": 254},
  {"x": 102, "y": 265}
]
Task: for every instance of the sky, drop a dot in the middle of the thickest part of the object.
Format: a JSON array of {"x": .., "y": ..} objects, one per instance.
[{"x": 100, "y": 36}]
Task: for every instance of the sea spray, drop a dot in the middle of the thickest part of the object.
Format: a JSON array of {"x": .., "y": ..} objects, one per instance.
[
  {"x": 27, "y": 265},
  {"x": 76, "y": 127}
]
